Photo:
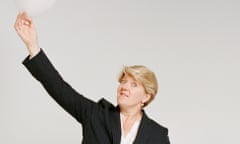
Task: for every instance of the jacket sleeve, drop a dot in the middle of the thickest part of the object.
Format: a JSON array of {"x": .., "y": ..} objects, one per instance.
[{"x": 73, "y": 102}]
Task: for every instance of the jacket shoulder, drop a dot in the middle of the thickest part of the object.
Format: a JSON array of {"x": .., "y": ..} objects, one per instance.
[
  {"x": 103, "y": 103},
  {"x": 159, "y": 133},
  {"x": 158, "y": 128}
]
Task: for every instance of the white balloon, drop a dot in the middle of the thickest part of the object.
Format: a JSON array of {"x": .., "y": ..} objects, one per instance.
[{"x": 34, "y": 7}]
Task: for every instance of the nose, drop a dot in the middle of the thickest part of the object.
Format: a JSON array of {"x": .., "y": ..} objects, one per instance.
[{"x": 124, "y": 86}]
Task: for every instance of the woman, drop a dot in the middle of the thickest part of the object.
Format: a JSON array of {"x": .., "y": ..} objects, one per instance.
[{"x": 102, "y": 122}]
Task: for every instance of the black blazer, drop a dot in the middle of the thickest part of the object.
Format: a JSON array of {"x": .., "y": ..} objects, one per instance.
[{"x": 100, "y": 120}]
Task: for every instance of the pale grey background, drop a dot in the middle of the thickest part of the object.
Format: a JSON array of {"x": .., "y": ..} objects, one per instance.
[{"x": 193, "y": 46}]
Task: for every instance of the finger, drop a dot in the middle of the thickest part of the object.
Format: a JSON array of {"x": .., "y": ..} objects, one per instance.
[
  {"x": 20, "y": 17},
  {"x": 17, "y": 21},
  {"x": 18, "y": 24},
  {"x": 28, "y": 20},
  {"x": 21, "y": 22},
  {"x": 26, "y": 16}
]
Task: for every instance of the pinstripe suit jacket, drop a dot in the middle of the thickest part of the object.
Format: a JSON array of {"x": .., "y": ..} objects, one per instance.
[{"x": 100, "y": 120}]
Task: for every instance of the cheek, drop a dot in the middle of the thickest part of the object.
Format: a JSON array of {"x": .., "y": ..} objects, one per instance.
[
  {"x": 118, "y": 89},
  {"x": 138, "y": 94}
]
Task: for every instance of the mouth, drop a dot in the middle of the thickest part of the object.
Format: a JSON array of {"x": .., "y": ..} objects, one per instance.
[{"x": 123, "y": 94}]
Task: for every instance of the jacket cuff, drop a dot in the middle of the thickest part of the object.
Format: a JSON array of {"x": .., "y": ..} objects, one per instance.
[
  {"x": 28, "y": 59},
  {"x": 36, "y": 64}
]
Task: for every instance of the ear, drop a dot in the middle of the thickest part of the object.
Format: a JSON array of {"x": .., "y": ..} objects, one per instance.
[{"x": 146, "y": 98}]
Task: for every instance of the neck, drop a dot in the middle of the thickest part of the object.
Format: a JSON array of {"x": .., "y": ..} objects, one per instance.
[{"x": 131, "y": 113}]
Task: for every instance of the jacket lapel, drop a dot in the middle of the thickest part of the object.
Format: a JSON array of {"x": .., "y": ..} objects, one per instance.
[{"x": 143, "y": 130}]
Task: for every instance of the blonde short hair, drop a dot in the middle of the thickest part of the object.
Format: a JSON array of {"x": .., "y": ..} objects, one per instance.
[{"x": 144, "y": 76}]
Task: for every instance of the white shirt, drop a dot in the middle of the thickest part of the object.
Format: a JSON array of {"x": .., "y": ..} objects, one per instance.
[{"x": 130, "y": 137}]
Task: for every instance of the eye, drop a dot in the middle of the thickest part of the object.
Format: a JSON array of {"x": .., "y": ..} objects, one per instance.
[
  {"x": 134, "y": 84},
  {"x": 123, "y": 81}
]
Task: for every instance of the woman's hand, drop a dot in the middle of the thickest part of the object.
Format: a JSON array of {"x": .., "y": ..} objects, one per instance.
[{"x": 27, "y": 32}]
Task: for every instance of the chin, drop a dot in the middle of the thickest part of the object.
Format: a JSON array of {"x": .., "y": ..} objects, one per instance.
[
  {"x": 122, "y": 100},
  {"x": 120, "y": 103}
]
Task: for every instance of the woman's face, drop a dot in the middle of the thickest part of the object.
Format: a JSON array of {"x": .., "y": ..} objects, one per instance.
[{"x": 131, "y": 93}]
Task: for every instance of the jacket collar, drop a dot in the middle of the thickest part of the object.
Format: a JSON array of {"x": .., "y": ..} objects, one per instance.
[
  {"x": 143, "y": 130},
  {"x": 116, "y": 128}
]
